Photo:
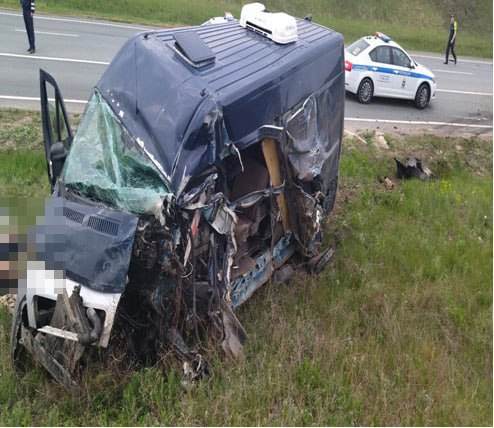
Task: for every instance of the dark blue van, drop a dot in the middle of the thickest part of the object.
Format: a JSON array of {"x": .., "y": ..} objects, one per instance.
[{"x": 205, "y": 159}]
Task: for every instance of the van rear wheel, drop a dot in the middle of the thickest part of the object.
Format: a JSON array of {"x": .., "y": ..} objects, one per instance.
[{"x": 365, "y": 91}]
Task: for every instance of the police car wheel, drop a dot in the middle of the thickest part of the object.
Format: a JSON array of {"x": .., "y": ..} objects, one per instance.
[
  {"x": 422, "y": 96},
  {"x": 365, "y": 91}
]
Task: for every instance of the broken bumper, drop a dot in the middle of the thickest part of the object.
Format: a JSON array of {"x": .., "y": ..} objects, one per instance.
[{"x": 46, "y": 284}]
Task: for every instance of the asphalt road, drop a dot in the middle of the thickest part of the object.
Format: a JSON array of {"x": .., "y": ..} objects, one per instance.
[{"x": 77, "y": 51}]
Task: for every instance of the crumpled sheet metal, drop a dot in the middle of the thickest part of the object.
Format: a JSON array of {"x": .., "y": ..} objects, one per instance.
[
  {"x": 304, "y": 146},
  {"x": 244, "y": 286},
  {"x": 309, "y": 217},
  {"x": 309, "y": 143}
]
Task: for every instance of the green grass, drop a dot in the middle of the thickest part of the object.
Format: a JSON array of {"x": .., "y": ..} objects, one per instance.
[
  {"x": 23, "y": 166},
  {"x": 23, "y": 172},
  {"x": 420, "y": 25},
  {"x": 397, "y": 330}
]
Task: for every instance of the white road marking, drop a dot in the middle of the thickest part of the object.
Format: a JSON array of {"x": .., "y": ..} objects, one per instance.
[
  {"x": 13, "y": 98},
  {"x": 50, "y": 58},
  {"x": 353, "y": 119},
  {"x": 418, "y": 122},
  {"x": 451, "y": 72},
  {"x": 487, "y": 94},
  {"x": 80, "y": 21},
  {"x": 87, "y": 61},
  {"x": 460, "y": 60},
  {"x": 51, "y": 34}
]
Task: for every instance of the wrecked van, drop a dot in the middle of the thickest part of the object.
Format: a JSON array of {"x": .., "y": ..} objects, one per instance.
[{"x": 205, "y": 159}]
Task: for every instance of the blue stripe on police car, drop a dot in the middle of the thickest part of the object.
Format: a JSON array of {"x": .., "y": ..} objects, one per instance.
[{"x": 395, "y": 71}]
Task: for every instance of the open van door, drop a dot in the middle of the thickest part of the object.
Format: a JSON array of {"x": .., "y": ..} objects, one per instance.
[{"x": 57, "y": 133}]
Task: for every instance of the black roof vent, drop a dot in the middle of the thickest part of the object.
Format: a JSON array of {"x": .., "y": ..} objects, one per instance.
[{"x": 193, "y": 49}]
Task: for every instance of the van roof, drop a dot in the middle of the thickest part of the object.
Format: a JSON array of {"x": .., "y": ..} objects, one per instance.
[{"x": 185, "y": 114}]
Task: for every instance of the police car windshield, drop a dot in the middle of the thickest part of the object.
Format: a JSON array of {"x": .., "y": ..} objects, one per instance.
[{"x": 356, "y": 47}]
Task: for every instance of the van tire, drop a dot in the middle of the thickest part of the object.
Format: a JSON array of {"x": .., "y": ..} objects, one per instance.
[
  {"x": 422, "y": 96},
  {"x": 365, "y": 91},
  {"x": 17, "y": 349}
]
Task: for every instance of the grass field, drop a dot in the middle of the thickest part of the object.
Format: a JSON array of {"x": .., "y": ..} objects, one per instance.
[
  {"x": 397, "y": 330},
  {"x": 420, "y": 25}
]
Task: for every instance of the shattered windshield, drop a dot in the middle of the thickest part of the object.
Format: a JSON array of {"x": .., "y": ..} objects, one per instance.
[{"x": 106, "y": 165}]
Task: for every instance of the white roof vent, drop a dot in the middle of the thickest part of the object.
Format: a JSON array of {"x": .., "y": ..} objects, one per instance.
[{"x": 279, "y": 27}]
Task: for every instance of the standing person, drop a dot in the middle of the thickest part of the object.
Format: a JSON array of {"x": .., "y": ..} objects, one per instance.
[
  {"x": 28, "y": 7},
  {"x": 452, "y": 38}
]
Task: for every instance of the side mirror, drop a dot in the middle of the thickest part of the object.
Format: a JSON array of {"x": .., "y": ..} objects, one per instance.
[{"x": 58, "y": 153}]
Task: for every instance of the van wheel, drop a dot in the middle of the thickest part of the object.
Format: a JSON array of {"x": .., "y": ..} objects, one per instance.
[
  {"x": 17, "y": 349},
  {"x": 422, "y": 96},
  {"x": 365, "y": 91}
]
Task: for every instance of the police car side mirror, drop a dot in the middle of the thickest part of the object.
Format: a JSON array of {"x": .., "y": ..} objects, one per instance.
[{"x": 411, "y": 65}]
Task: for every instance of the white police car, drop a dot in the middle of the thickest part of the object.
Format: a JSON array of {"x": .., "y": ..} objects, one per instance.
[{"x": 377, "y": 66}]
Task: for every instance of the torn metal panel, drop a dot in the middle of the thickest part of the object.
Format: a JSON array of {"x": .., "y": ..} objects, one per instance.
[
  {"x": 50, "y": 363},
  {"x": 304, "y": 146},
  {"x": 58, "y": 332},
  {"x": 309, "y": 215},
  {"x": 60, "y": 345},
  {"x": 314, "y": 139},
  {"x": 244, "y": 286},
  {"x": 49, "y": 284},
  {"x": 68, "y": 315},
  {"x": 235, "y": 335}
]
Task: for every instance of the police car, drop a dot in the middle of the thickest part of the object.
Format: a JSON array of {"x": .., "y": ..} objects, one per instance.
[{"x": 378, "y": 66}]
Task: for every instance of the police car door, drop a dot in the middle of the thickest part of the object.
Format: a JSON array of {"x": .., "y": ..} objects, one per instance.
[
  {"x": 381, "y": 70},
  {"x": 403, "y": 81}
]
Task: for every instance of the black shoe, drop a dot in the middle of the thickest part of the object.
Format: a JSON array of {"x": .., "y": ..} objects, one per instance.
[
  {"x": 29, "y": 49},
  {"x": 32, "y": 51},
  {"x": 445, "y": 62},
  {"x": 455, "y": 61}
]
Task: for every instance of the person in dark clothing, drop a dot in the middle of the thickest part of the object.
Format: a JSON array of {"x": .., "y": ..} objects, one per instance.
[
  {"x": 28, "y": 7},
  {"x": 452, "y": 38}
]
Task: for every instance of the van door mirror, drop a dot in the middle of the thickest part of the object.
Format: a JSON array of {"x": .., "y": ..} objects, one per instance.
[{"x": 58, "y": 153}]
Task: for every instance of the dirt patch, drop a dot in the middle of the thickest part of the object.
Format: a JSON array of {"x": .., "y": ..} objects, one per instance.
[
  {"x": 403, "y": 130},
  {"x": 439, "y": 153}
]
